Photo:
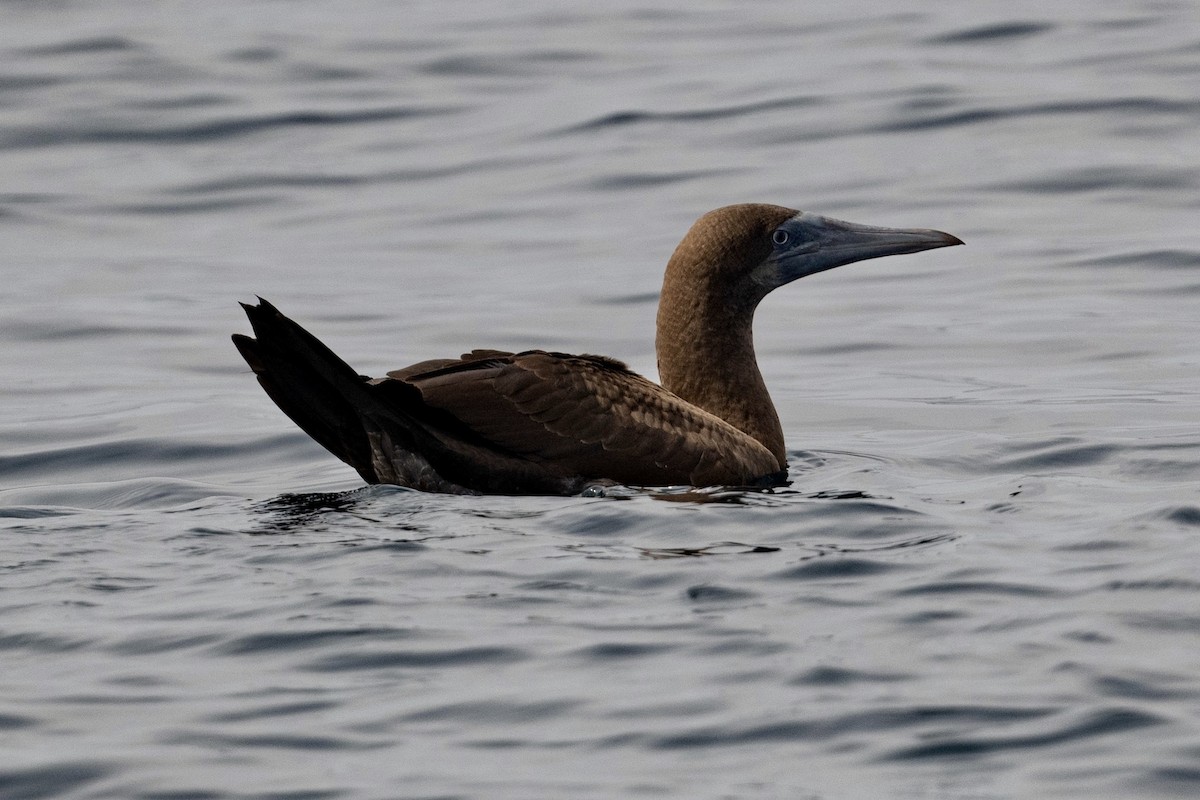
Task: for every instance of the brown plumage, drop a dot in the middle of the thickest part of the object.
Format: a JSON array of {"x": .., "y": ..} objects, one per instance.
[{"x": 541, "y": 422}]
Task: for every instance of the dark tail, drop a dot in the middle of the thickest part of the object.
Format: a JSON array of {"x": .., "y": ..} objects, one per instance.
[
  {"x": 320, "y": 392},
  {"x": 384, "y": 430}
]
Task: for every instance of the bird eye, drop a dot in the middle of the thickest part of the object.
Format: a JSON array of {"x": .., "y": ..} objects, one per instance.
[{"x": 780, "y": 236}]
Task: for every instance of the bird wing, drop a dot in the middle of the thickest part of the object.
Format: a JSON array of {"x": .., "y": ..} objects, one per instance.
[{"x": 588, "y": 416}]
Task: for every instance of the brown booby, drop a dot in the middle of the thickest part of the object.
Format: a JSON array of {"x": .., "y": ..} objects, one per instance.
[{"x": 541, "y": 422}]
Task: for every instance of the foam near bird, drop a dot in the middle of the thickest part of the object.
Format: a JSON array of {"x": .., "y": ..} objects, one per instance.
[{"x": 540, "y": 422}]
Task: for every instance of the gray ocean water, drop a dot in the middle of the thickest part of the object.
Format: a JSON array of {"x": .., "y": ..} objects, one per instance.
[{"x": 984, "y": 581}]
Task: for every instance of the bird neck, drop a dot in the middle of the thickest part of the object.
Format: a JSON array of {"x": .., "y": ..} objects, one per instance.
[{"x": 705, "y": 348}]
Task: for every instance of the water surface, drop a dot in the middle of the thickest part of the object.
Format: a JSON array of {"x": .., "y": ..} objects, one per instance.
[{"x": 982, "y": 582}]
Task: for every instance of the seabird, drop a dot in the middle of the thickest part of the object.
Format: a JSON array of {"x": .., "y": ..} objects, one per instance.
[{"x": 539, "y": 422}]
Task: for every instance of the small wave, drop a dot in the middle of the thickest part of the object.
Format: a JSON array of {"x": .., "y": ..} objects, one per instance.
[
  {"x": 1001, "y": 32},
  {"x": 271, "y": 741},
  {"x": 508, "y": 65},
  {"x": 416, "y": 659},
  {"x": 1098, "y": 179},
  {"x": 644, "y": 298},
  {"x": 1166, "y": 623},
  {"x": 719, "y": 549},
  {"x": 713, "y": 593},
  {"x": 274, "y": 642},
  {"x": 143, "y": 455},
  {"x": 1049, "y": 455},
  {"x": 288, "y": 513},
  {"x": 40, "y": 643},
  {"x": 207, "y": 130},
  {"x": 260, "y": 181},
  {"x": 165, "y": 643},
  {"x": 59, "y": 330},
  {"x": 1100, "y": 723},
  {"x": 1117, "y": 106},
  {"x": 193, "y": 100},
  {"x": 1160, "y": 259},
  {"x": 1184, "y": 515},
  {"x": 13, "y": 722},
  {"x": 94, "y": 44},
  {"x": 324, "y": 180},
  {"x": 31, "y": 512},
  {"x": 840, "y": 676},
  {"x": 644, "y": 180},
  {"x": 854, "y": 505},
  {"x": 256, "y": 54},
  {"x": 173, "y": 208},
  {"x": 53, "y": 500},
  {"x": 1001, "y": 588},
  {"x": 1160, "y": 585},
  {"x": 1175, "y": 781},
  {"x": 624, "y": 118},
  {"x": 271, "y": 711},
  {"x": 824, "y": 568},
  {"x": 492, "y": 712},
  {"x": 9, "y": 83},
  {"x": 1144, "y": 687},
  {"x": 55, "y": 779},
  {"x": 611, "y": 651},
  {"x": 825, "y": 729}
]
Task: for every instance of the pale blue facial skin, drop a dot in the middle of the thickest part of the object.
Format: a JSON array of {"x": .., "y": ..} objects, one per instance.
[{"x": 809, "y": 243}]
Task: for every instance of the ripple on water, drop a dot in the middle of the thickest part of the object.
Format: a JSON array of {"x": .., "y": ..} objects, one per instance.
[
  {"x": 841, "y": 676},
  {"x": 998, "y": 588},
  {"x": 622, "y": 119},
  {"x": 39, "y": 471},
  {"x": 162, "y": 643},
  {"x": 271, "y": 710},
  {"x": 271, "y": 741},
  {"x": 1155, "y": 257},
  {"x": 206, "y": 130},
  {"x": 998, "y": 33},
  {"x": 1177, "y": 780},
  {"x": 41, "y": 643},
  {"x": 53, "y": 779},
  {"x": 1097, "y": 179},
  {"x": 832, "y": 568},
  {"x": 619, "y": 651},
  {"x": 417, "y": 659},
  {"x": 829, "y": 728},
  {"x": 279, "y": 641},
  {"x": 12, "y": 722},
  {"x": 492, "y": 712},
  {"x": 1103, "y": 722},
  {"x": 914, "y": 119},
  {"x": 1183, "y": 515},
  {"x": 141, "y": 493},
  {"x": 493, "y": 66},
  {"x": 1048, "y": 455},
  {"x": 717, "y": 594},
  {"x": 1144, "y": 685},
  {"x": 85, "y": 46}
]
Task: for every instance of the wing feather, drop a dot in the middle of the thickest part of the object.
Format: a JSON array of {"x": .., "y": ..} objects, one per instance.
[{"x": 591, "y": 417}]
